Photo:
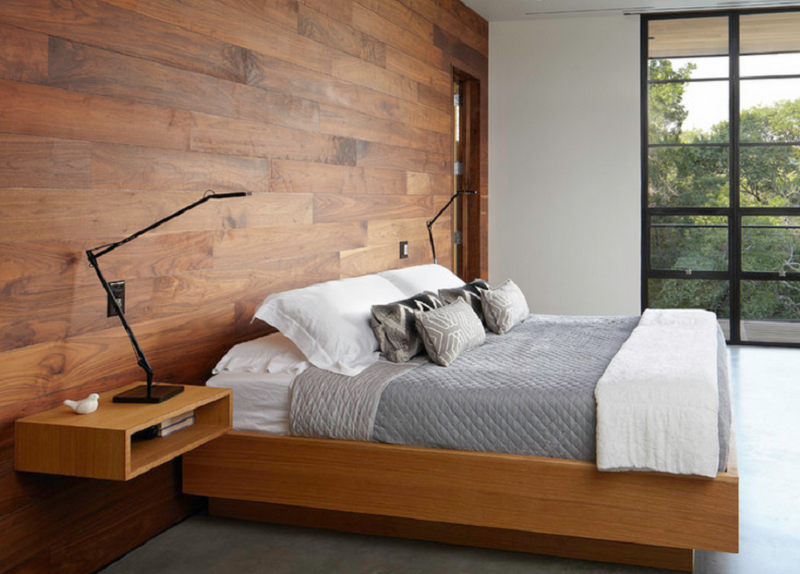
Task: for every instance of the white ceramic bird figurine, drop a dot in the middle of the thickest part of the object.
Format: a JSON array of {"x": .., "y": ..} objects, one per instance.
[{"x": 86, "y": 406}]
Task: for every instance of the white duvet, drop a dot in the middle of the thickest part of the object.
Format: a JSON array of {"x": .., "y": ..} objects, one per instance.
[{"x": 657, "y": 402}]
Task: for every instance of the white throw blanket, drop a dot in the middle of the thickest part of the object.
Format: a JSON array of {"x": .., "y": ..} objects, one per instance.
[{"x": 657, "y": 401}]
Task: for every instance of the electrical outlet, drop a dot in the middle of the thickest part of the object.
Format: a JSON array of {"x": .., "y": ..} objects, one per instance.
[
  {"x": 118, "y": 289},
  {"x": 404, "y": 250}
]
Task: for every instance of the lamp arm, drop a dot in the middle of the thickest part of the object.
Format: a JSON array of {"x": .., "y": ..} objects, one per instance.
[
  {"x": 97, "y": 252},
  {"x": 108, "y": 247},
  {"x": 430, "y": 223},
  {"x": 141, "y": 360}
]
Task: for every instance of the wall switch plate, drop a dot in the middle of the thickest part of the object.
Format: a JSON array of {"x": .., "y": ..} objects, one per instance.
[
  {"x": 118, "y": 289},
  {"x": 404, "y": 250}
]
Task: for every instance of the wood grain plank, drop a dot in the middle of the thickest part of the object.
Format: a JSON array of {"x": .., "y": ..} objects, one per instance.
[
  {"x": 232, "y": 25},
  {"x": 212, "y": 134},
  {"x": 28, "y": 215},
  {"x": 330, "y": 208},
  {"x": 240, "y": 247},
  {"x": 371, "y": 154},
  {"x": 23, "y": 55},
  {"x": 334, "y": 34},
  {"x": 27, "y": 161},
  {"x": 392, "y": 231},
  {"x": 395, "y": 35},
  {"x": 42, "y": 266},
  {"x": 376, "y": 78},
  {"x": 409, "y": 67},
  {"x": 277, "y": 75},
  {"x": 397, "y": 12},
  {"x": 104, "y": 356},
  {"x": 282, "y": 13},
  {"x": 377, "y": 258},
  {"x": 336, "y": 121},
  {"x": 303, "y": 177},
  {"x": 29, "y": 319},
  {"x": 436, "y": 14},
  {"x": 101, "y": 24},
  {"x": 428, "y": 96},
  {"x": 429, "y": 184},
  {"x": 91, "y": 543},
  {"x": 118, "y": 167},
  {"x": 28, "y": 109},
  {"x": 341, "y": 10},
  {"x": 459, "y": 50},
  {"x": 466, "y": 14},
  {"x": 81, "y": 68}
]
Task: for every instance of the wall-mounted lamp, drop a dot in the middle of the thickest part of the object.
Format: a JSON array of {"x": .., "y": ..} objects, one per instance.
[
  {"x": 432, "y": 221},
  {"x": 148, "y": 393}
]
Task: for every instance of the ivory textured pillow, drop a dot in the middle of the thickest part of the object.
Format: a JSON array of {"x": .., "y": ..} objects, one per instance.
[
  {"x": 449, "y": 331},
  {"x": 471, "y": 293},
  {"x": 395, "y": 326},
  {"x": 504, "y": 307}
]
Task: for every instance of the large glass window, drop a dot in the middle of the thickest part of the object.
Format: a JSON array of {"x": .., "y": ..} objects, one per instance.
[{"x": 722, "y": 170}]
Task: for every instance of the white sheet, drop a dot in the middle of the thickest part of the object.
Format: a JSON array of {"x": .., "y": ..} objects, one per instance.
[
  {"x": 261, "y": 401},
  {"x": 657, "y": 401}
]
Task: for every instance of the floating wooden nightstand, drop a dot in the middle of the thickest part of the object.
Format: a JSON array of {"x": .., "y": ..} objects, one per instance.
[{"x": 99, "y": 445}]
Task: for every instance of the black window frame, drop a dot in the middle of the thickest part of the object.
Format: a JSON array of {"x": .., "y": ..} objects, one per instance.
[{"x": 734, "y": 212}]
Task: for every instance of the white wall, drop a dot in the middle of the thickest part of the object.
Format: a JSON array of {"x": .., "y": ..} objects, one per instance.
[{"x": 564, "y": 173}]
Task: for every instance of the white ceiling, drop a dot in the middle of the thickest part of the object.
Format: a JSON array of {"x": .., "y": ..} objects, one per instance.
[{"x": 502, "y": 10}]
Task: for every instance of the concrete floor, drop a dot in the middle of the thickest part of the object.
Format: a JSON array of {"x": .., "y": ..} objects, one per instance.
[{"x": 766, "y": 387}]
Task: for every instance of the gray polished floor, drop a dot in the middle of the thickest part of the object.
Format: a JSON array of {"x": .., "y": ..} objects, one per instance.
[{"x": 767, "y": 405}]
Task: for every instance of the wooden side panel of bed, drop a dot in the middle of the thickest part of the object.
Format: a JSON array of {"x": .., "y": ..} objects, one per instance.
[
  {"x": 530, "y": 494},
  {"x": 458, "y": 534}
]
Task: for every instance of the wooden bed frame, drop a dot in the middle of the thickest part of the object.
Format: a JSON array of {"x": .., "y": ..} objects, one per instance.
[{"x": 523, "y": 503}]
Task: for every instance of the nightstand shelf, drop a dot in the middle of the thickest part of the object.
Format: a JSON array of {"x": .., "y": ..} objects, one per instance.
[{"x": 100, "y": 445}]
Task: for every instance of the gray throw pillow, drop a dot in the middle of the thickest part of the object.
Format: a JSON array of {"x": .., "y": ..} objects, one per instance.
[
  {"x": 395, "y": 327},
  {"x": 504, "y": 307},
  {"x": 450, "y": 331},
  {"x": 471, "y": 293}
]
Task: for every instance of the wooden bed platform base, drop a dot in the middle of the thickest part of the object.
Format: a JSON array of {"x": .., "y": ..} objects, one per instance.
[{"x": 522, "y": 503}]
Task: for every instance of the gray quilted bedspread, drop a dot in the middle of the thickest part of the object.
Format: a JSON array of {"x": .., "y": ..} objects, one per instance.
[{"x": 530, "y": 391}]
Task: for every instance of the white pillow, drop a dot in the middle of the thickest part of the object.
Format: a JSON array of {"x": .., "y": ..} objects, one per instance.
[
  {"x": 271, "y": 354},
  {"x": 329, "y": 322},
  {"x": 414, "y": 280}
]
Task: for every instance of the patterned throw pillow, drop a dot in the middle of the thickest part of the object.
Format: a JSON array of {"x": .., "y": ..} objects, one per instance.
[
  {"x": 471, "y": 293},
  {"x": 395, "y": 327},
  {"x": 450, "y": 331},
  {"x": 504, "y": 307}
]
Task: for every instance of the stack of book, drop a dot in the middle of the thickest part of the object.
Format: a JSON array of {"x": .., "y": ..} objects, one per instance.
[{"x": 174, "y": 424}]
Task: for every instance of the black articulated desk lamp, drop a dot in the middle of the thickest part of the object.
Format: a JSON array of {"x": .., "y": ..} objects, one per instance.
[
  {"x": 148, "y": 393},
  {"x": 441, "y": 211}
]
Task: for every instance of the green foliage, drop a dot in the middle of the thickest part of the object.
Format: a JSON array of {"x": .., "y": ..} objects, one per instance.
[{"x": 699, "y": 177}]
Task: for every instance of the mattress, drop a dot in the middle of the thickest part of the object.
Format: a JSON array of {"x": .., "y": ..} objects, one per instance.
[{"x": 260, "y": 400}]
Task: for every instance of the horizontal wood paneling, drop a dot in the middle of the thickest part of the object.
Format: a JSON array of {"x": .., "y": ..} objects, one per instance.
[
  {"x": 23, "y": 55},
  {"x": 28, "y": 161},
  {"x": 141, "y": 168},
  {"x": 81, "y": 68},
  {"x": 334, "y": 34},
  {"x": 302, "y": 177},
  {"x": 335, "y": 114}
]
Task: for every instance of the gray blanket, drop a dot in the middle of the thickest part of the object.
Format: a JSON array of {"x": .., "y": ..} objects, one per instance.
[{"x": 530, "y": 391}]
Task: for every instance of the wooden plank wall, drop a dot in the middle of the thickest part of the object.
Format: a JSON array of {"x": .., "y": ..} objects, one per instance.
[{"x": 113, "y": 114}]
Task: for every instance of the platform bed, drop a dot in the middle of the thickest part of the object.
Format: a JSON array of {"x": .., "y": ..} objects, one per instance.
[{"x": 522, "y": 503}]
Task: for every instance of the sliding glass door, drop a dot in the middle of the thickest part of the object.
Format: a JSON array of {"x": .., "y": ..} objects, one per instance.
[{"x": 721, "y": 170}]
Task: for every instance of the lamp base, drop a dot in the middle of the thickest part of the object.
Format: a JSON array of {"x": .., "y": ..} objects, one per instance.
[{"x": 158, "y": 394}]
